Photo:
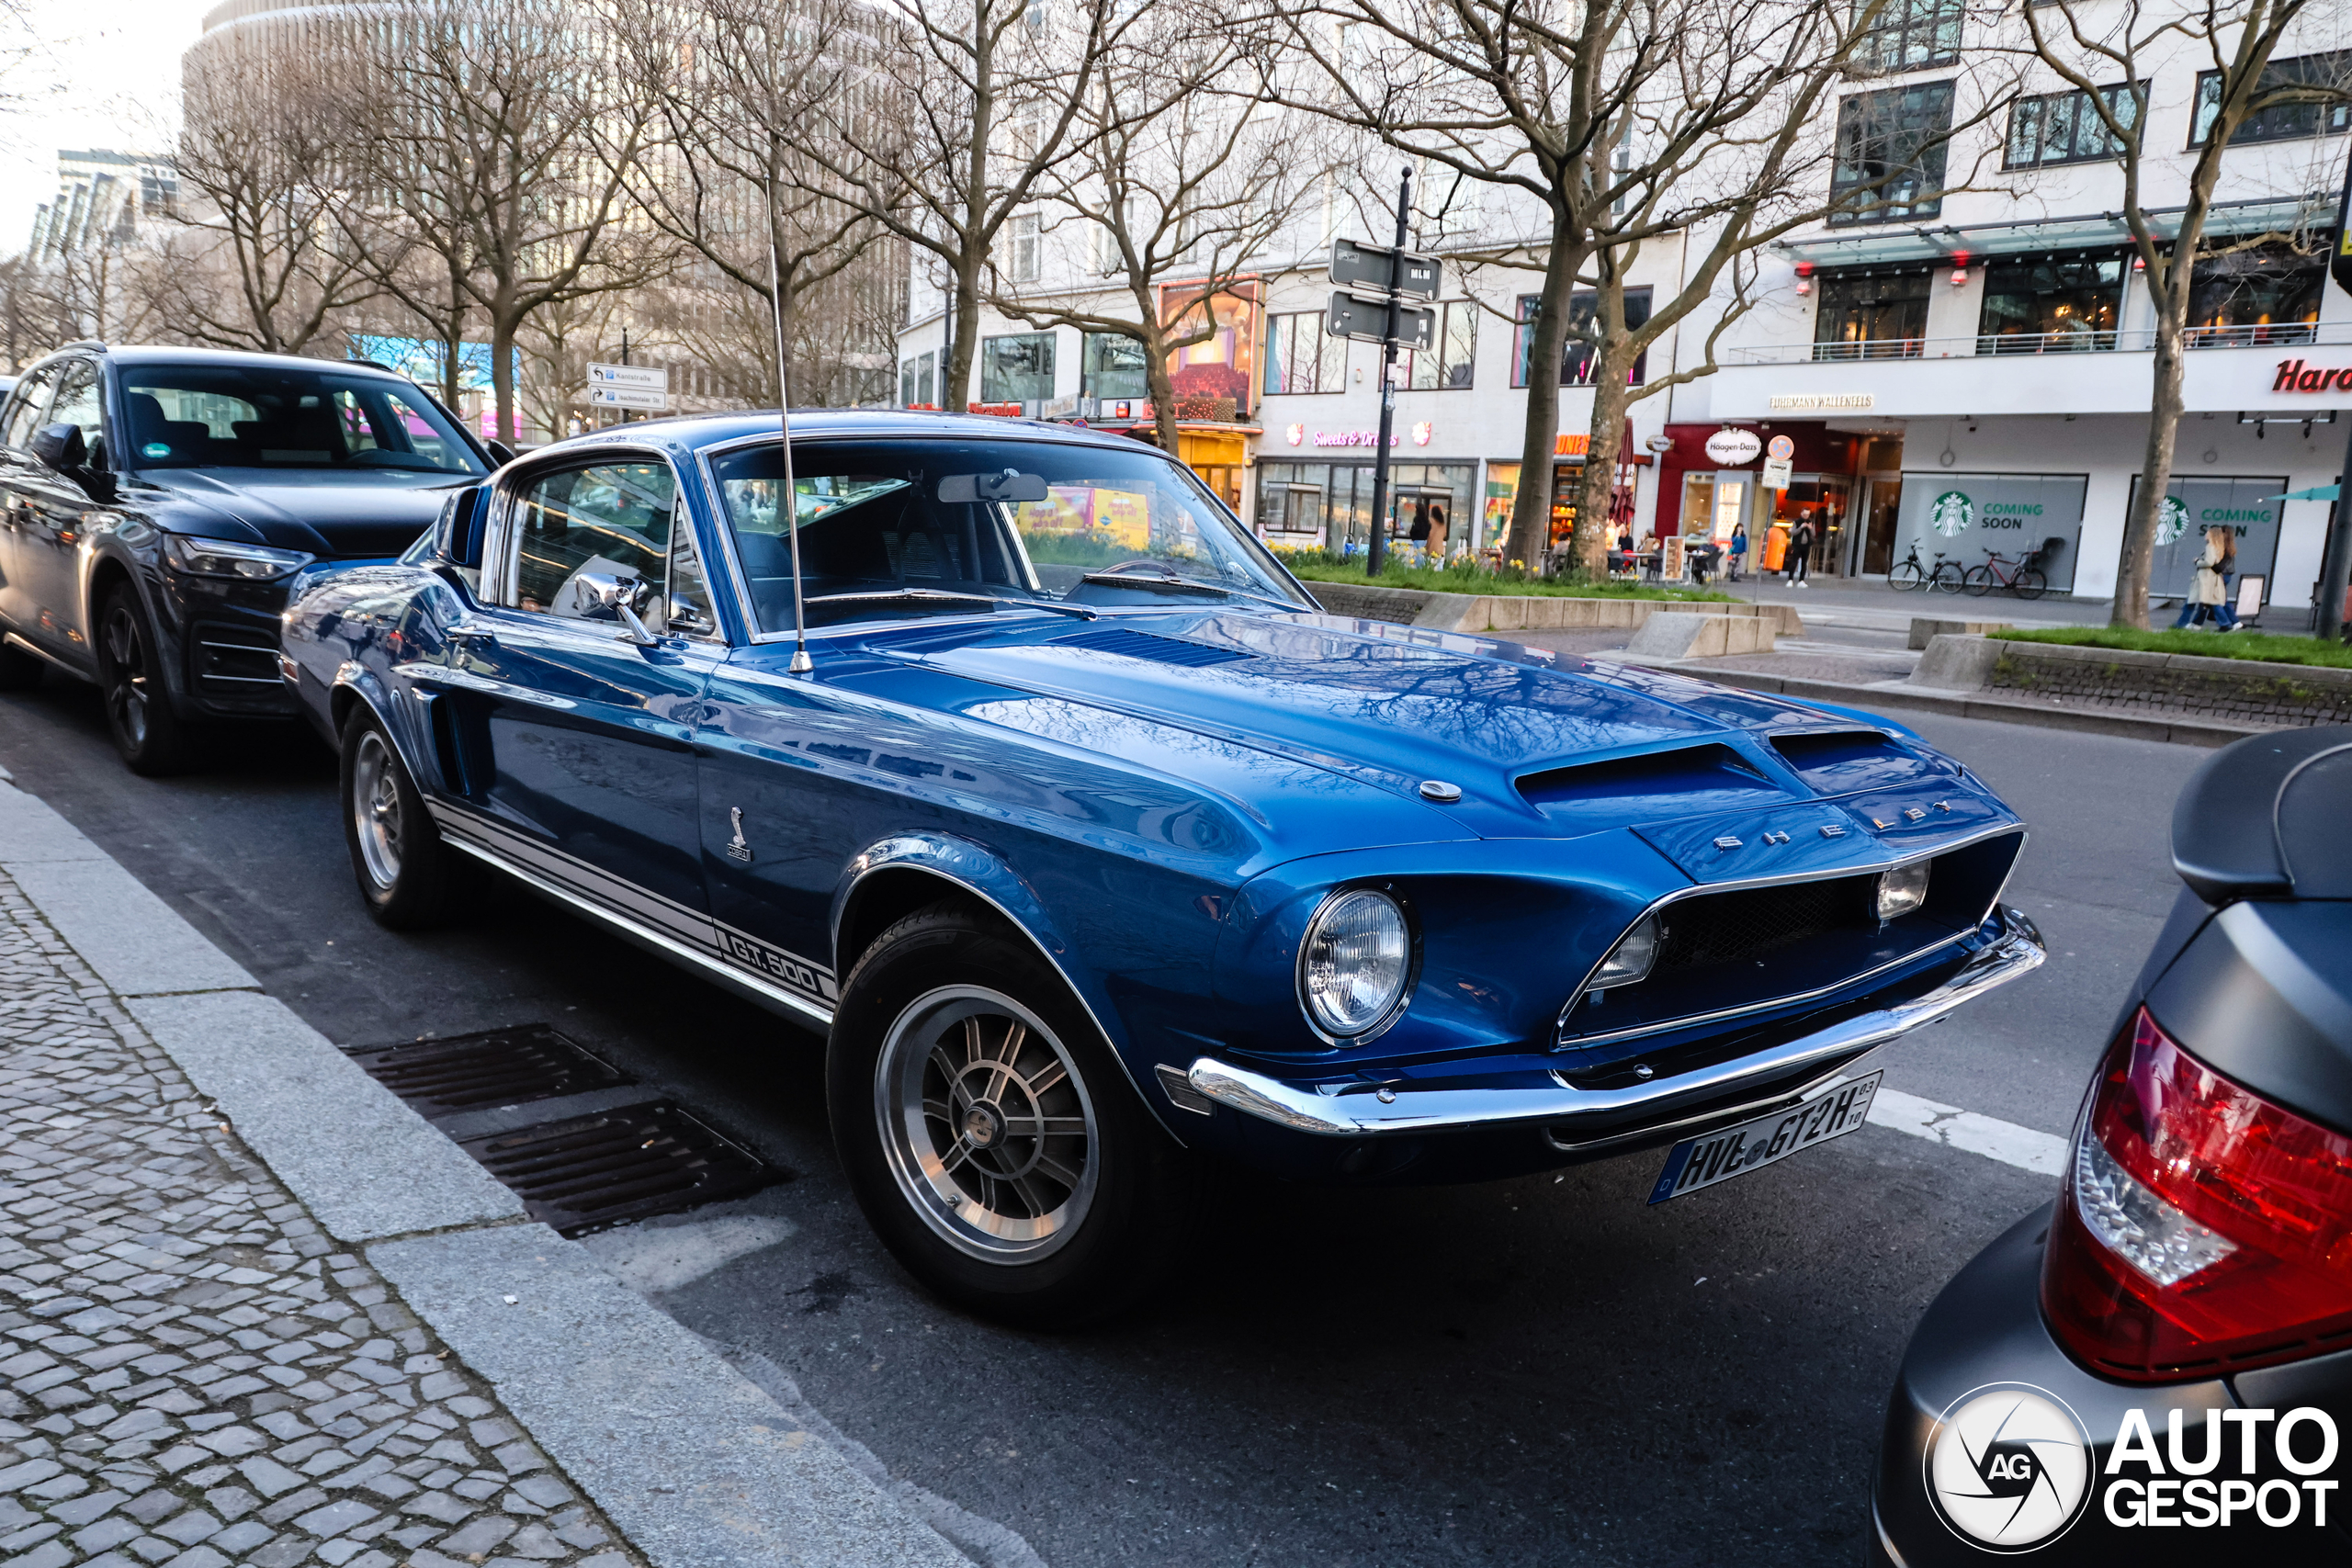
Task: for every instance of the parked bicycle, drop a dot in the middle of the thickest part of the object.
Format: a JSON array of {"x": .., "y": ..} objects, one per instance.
[
  {"x": 1910, "y": 577},
  {"x": 2022, "y": 577}
]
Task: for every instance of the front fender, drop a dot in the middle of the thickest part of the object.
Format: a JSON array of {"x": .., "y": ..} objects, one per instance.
[{"x": 880, "y": 884}]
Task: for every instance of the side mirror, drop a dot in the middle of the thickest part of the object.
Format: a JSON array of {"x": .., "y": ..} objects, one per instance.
[
  {"x": 458, "y": 532},
  {"x": 500, "y": 452},
  {"x": 60, "y": 446},
  {"x": 598, "y": 597}
]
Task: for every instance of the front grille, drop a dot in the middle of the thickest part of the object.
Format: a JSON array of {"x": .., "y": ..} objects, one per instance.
[
  {"x": 1722, "y": 928},
  {"x": 235, "y": 659}
]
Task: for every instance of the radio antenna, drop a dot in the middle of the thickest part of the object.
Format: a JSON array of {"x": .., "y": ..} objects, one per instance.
[{"x": 802, "y": 663}]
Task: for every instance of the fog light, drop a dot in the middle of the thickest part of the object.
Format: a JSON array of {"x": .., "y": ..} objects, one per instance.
[
  {"x": 1630, "y": 959},
  {"x": 1902, "y": 890}
]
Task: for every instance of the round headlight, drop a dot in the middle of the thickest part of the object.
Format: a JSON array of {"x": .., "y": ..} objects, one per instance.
[
  {"x": 1355, "y": 962},
  {"x": 1902, "y": 890}
]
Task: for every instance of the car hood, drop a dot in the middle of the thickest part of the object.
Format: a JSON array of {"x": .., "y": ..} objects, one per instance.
[
  {"x": 1539, "y": 744},
  {"x": 335, "y": 515}
]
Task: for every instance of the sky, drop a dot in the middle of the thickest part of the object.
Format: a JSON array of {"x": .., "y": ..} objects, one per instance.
[{"x": 102, "y": 74}]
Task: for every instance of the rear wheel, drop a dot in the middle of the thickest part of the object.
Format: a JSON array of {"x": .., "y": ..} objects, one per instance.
[
  {"x": 406, "y": 873},
  {"x": 989, "y": 1134},
  {"x": 19, "y": 671},
  {"x": 1979, "y": 580},
  {"x": 2030, "y": 584},
  {"x": 152, "y": 738},
  {"x": 1945, "y": 578},
  {"x": 1908, "y": 578}
]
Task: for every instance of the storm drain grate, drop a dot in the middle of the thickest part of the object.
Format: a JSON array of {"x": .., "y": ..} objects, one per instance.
[
  {"x": 499, "y": 1066},
  {"x": 588, "y": 1172}
]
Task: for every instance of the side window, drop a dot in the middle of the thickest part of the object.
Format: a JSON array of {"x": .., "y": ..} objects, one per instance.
[
  {"x": 691, "y": 614},
  {"x": 28, "y": 414},
  {"x": 77, "y": 403},
  {"x": 611, "y": 520}
]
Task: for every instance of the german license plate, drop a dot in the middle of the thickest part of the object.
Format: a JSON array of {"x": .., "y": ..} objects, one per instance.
[{"x": 1735, "y": 1151}]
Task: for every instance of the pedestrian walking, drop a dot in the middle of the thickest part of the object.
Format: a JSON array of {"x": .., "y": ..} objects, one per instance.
[
  {"x": 1800, "y": 550},
  {"x": 1435, "y": 536},
  {"x": 1420, "y": 531},
  {"x": 2208, "y": 589},
  {"x": 1738, "y": 550}
]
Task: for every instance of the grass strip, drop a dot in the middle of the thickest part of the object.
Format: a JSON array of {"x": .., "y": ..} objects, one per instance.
[{"x": 2258, "y": 648}]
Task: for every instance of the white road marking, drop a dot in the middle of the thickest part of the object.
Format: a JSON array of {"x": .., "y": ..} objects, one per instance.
[{"x": 2041, "y": 1152}]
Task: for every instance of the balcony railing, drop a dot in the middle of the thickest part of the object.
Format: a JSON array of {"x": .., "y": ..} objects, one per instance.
[{"x": 2139, "y": 340}]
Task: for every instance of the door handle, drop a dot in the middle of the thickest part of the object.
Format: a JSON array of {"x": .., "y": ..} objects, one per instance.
[{"x": 476, "y": 636}]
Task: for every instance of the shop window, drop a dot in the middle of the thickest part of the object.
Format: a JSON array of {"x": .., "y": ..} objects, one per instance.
[
  {"x": 2263, "y": 294},
  {"x": 2282, "y": 122},
  {"x": 1017, "y": 368},
  {"x": 2052, "y": 304},
  {"x": 915, "y": 377},
  {"x": 1449, "y": 365},
  {"x": 1890, "y": 156},
  {"x": 1578, "y": 354},
  {"x": 1910, "y": 35},
  {"x": 1302, "y": 357},
  {"x": 1877, "y": 314},
  {"x": 1111, "y": 366},
  {"x": 2066, "y": 128}
]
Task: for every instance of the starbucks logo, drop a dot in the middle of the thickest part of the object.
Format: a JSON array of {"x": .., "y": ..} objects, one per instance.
[
  {"x": 2172, "y": 520},
  {"x": 1952, "y": 513}
]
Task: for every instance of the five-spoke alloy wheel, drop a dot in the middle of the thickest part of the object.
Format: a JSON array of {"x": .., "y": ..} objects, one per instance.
[{"x": 150, "y": 736}]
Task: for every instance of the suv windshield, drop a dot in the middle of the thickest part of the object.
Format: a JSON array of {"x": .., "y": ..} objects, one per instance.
[
  {"x": 889, "y": 528},
  {"x": 237, "y": 416}
]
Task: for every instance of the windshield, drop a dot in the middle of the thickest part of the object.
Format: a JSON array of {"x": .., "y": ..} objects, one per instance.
[
  {"x": 236, "y": 416},
  {"x": 889, "y": 528}
]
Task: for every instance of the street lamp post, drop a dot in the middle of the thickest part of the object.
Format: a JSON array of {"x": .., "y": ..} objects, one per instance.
[{"x": 1377, "y": 551}]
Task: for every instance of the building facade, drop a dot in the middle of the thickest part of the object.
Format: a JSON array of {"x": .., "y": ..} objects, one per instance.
[{"x": 103, "y": 199}]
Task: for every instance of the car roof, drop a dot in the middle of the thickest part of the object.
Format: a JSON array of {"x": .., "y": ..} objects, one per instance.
[
  {"x": 127, "y": 354},
  {"x": 696, "y": 432}
]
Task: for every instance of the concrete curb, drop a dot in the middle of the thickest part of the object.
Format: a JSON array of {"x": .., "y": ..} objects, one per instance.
[
  {"x": 1900, "y": 695},
  {"x": 692, "y": 1461},
  {"x": 1478, "y": 612}
]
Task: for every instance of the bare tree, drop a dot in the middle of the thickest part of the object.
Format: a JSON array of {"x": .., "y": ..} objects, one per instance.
[
  {"x": 1184, "y": 172},
  {"x": 2105, "y": 53},
  {"x": 258, "y": 153},
  {"x": 972, "y": 106}
]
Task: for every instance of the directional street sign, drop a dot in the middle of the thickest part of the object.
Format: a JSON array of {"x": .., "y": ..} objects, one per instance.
[
  {"x": 626, "y": 398},
  {"x": 644, "y": 378},
  {"x": 1354, "y": 316},
  {"x": 1355, "y": 266}
]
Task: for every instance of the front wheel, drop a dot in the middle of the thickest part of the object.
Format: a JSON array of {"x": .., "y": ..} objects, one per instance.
[
  {"x": 1946, "y": 578},
  {"x": 153, "y": 740},
  {"x": 406, "y": 873},
  {"x": 1979, "y": 580},
  {"x": 989, "y": 1134},
  {"x": 1908, "y": 577},
  {"x": 2030, "y": 584}
]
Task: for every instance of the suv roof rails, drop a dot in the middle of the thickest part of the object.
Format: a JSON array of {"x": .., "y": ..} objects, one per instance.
[{"x": 85, "y": 343}]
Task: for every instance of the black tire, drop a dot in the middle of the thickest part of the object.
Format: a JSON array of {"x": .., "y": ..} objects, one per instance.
[
  {"x": 407, "y": 876},
  {"x": 19, "y": 671},
  {"x": 1063, "y": 1224},
  {"x": 1908, "y": 578},
  {"x": 1945, "y": 578},
  {"x": 2030, "y": 583},
  {"x": 1978, "y": 580},
  {"x": 155, "y": 740}
]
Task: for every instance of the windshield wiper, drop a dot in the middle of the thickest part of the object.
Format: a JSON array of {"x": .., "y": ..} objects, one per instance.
[
  {"x": 944, "y": 599},
  {"x": 1182, "y": 585}
]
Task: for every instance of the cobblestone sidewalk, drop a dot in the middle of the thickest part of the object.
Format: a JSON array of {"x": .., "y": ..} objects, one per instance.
[{"x": 190, "y": 1374}]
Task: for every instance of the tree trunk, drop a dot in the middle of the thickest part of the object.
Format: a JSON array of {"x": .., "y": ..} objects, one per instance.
[
  {"x": 1530, "y": 509},
  {"x": 2131, "y": 607},
  {"x": 965, "y": 310},
  {"x": 502, "y": 375},
  {"x": 1597, "y": 486}
]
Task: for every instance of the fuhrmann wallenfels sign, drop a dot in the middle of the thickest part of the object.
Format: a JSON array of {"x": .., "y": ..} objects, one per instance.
[{"x": 2294, "y": 375}]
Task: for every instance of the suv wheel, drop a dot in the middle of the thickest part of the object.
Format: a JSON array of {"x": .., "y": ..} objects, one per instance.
[
  {"x": 989, "y": 1134},
  {"x": 405, "y": 872},
  {"x": 152, "y": 738}
]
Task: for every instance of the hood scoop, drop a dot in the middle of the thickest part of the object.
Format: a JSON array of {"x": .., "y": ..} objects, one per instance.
[
  {"x": 1131, "y": 644},
  {"x": 1838, "y": 762},
  {"x": 1685, "y": 781}
]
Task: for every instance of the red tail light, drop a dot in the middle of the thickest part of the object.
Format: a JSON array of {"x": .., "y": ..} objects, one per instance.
[{"x": 2201, "y": 1229}]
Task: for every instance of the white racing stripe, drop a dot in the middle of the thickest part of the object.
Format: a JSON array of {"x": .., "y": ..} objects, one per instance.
[{"x": 2042, "y": 1152}]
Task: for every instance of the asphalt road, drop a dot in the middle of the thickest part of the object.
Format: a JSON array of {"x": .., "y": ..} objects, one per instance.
[{"x": 1538, "y": 1371}]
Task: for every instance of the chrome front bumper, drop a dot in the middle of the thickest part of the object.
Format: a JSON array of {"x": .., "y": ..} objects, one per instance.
[{"x": 1355, "y": 1108}]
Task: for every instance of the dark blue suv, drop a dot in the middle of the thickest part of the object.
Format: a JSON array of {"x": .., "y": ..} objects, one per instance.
[{"x": 154, "y": 503}]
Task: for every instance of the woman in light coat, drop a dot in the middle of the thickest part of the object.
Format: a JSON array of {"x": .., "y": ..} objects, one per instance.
[{"x": 2208, "y": 591}]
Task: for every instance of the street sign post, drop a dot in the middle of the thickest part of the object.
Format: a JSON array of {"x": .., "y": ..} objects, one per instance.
[
  {"x": 1354, "y": 316},
  {"x": 1355, "y": 266},
  {"x": 643, "y": 378}
]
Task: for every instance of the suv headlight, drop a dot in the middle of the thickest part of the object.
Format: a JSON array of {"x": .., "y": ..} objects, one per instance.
[
  {"x": 1630, "y": 959},
  {"x": 225, "y": 558},
  {"x": 1902, "y": 890},
  {"x": 1354, "y": 962}
]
